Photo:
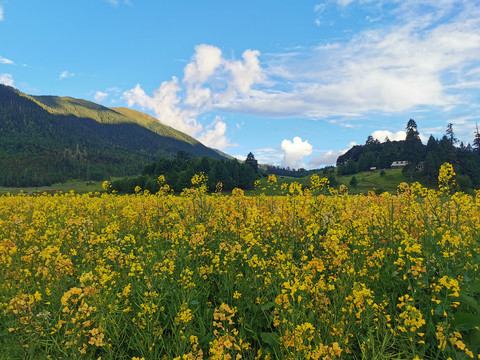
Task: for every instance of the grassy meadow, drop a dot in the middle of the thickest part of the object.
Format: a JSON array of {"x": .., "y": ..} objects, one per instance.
[
  {"x": 78, "y": 186},
  {"x": 312, "y": 274}
]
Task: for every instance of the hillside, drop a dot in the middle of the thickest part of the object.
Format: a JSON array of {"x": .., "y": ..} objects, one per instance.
[
  {"x": 422, "y": 161},
  {"x": 47, "y": 139},
  {"x": 154, "y": 125}
]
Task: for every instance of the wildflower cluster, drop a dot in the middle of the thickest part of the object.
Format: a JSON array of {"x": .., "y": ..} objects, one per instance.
[{"x": 310, "y": 275}]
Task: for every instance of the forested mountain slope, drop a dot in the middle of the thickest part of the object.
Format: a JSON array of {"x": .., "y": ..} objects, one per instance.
[{"x": 46, "y": 139}]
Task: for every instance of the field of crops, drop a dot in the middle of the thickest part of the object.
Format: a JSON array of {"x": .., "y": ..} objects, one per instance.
[{"x": 315, "y": 274}]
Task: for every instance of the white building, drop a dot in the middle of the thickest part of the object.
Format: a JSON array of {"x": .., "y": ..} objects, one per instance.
[{"x": 399, "y": 164}]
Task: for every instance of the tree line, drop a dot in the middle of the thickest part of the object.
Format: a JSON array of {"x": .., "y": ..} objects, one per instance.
[
  {"x": 423, "y": 160},
  {"x": 179, "y": 171}
]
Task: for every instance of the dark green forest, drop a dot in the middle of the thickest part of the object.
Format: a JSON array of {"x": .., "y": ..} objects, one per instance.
[
  {"x": 41, "y": 147},
  {"x": 179, "y": 171},
  {"x": 423, "y": 160}
]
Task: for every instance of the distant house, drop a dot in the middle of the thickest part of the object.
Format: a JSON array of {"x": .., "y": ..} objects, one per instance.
[
  {"x": 399, "y": 164},
  {"x": 373, "y": 168},
  {"x": 420, "y": 165}
]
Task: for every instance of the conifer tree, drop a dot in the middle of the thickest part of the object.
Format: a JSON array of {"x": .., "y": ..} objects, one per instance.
[
  {"x": 476, "y": 140},
  {"x": 413, "y": 148},
  {"x": 450, "y": 134},
  {"x": 251, "y": 161}
]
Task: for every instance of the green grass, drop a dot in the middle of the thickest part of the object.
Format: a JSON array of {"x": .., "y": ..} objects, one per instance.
[
  {"x": 79, "y": 186},
  {"x": 371, "y": 180}
]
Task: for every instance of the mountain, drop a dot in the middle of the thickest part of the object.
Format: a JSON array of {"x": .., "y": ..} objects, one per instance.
[{"x": 46, "y": 139}]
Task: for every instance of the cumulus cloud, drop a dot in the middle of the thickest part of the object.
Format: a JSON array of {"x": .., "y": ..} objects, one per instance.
[
  {"x": 165, "y": 103},
  {"x": 204, "y": 62},
  {"x": 100, "y": 96},
  {"x": 65, "y": 74},
  {"x": 6, "y": 79},
  {"x": 6, "y": 61},
  {"x": 215, "y": 136},
  {"x": 382, "y": 135},
  {"x": 179, "y": 103},
  {"x": 247, "y": 72},
  {"x": 294, "y": 152}
]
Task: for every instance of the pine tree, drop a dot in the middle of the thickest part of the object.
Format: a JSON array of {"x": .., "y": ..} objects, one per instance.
[
  {"x": 476, "y": 140},
  {"x": 251, "y": 161},
  {"x": 450, "y": 134},
  {"x": 413, "y": 147}
]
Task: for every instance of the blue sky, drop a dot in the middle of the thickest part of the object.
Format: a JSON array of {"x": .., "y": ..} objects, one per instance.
[{"x": 295, "y": 82}]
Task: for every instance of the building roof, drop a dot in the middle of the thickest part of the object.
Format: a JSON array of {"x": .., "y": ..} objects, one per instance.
[{"x": 399, "y": 163}]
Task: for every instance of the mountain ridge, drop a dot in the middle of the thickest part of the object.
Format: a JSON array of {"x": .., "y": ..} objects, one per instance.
[{"x": 45, "y": 139}]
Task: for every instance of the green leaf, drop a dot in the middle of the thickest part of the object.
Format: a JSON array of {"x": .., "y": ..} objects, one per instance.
[
  {"x": 474, "y": 287},
  {"x": 269, "y": 338},
  {"x": 472, "y": 339},
  {"x": 267, "y": 306},
  {"x": 470, "y": 301},
  {"x": 466, "y": 321}
]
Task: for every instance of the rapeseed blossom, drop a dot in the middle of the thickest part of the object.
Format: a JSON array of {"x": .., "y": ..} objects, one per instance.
[{"x": 314, "y": 274}]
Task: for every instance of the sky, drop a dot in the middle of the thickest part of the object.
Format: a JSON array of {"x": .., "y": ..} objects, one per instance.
[{"x": 297, "y": 83}]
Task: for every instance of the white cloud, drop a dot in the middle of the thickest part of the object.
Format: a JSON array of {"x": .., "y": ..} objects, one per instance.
[
  {"x": 205, "y": 61},
  {"x": 202, "y": 66},
  {"x": 389, "y": 69},
  {"x": 66, "y": 74},
  {"x": 6, "y": 79},
  {"x": 215, "y": 136},
  {"x": 1, "y": 13},
  {"x": 165, "y": 104},
  {"x": 178, "y": 104},
  {"x": 328, "y": 158},
  {"x": 246, "y": 73},
  {"x": 100, "y": 96},
  {"x": 294, "y": 152},
  {"x": 414, "y": 63},
  {"x": 6, "y": 61},
  {"x": 381, "y": 135}
]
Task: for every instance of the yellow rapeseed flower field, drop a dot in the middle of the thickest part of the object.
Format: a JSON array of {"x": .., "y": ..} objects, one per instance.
[{"x": 313, "y": 274}]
